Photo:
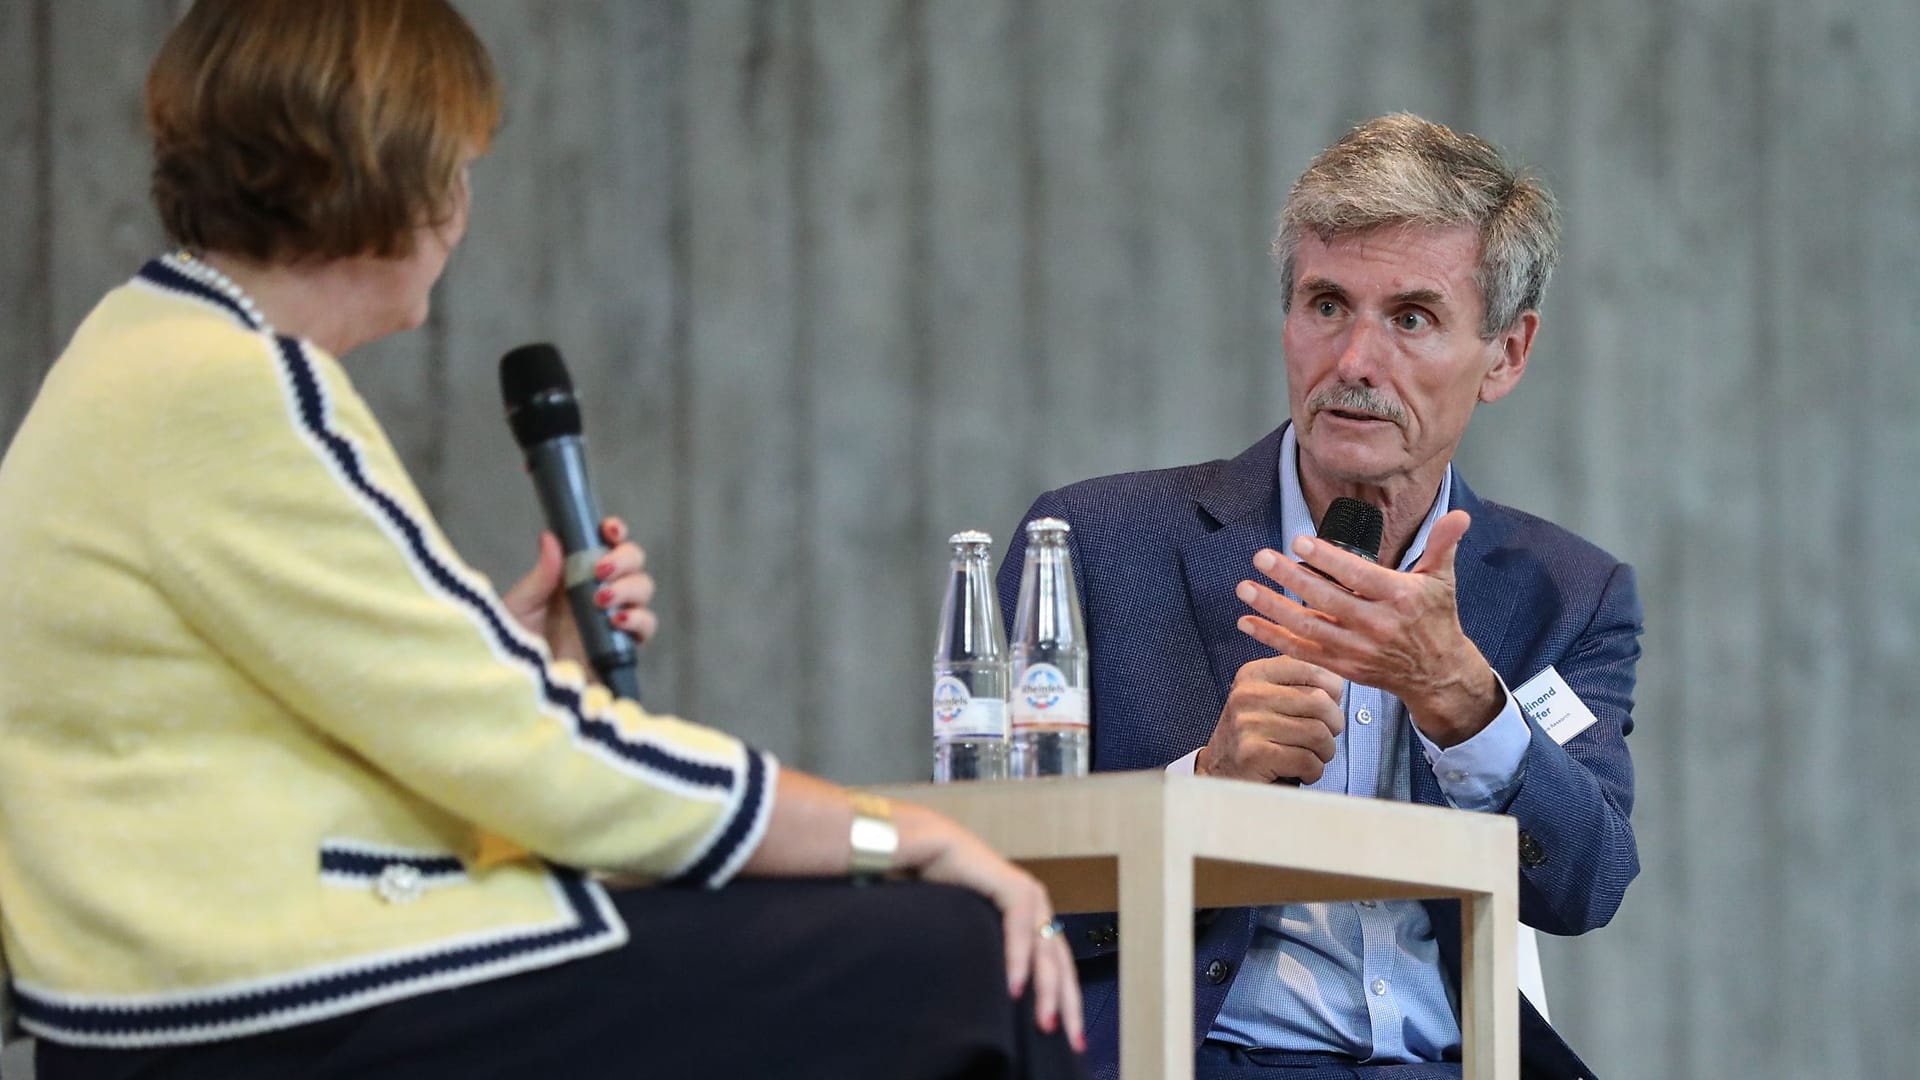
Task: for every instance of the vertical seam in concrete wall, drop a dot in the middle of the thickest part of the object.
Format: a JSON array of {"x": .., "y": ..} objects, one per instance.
[
  {"x": 1033, "y": 285},
  {"x": 813, "y": 707},
  {"x": 682, "y": 610},
  {"x": 1770, "y": 814},
  {"x": 1259, "y": 216},
  {"x": 920, "y": 287},
  {"x": 1680, "y": 1056},
  {"x": 439, "y": 390},
  {"x": 1128, "y": 359},
  {"x": 1858, "y": 476},
  {"x": 43, "y": 192}
]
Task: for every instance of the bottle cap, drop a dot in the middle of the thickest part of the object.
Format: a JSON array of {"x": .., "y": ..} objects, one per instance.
[
  {"x": 1053, "y": 527},
  {"x": 971, "y": 536}
]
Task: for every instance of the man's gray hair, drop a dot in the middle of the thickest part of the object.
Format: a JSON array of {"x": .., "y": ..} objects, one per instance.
[{"x": 1402, "y": 170}]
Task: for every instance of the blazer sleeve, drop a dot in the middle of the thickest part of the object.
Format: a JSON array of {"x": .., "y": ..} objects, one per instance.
[
  {"x": 1574, "y": 802},
  {"x": 288, "y": 536}
]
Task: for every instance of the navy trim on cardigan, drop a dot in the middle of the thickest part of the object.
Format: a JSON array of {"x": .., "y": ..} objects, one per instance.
[
  {"x": 707, "y": 869},
  {"x": 171, "y": 273},
  {"x": 352, "y": 862},
  {"x": 335, "y": 991}
]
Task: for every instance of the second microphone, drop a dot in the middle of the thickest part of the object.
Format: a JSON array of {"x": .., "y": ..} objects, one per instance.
[{"x": 545, "y": 418}]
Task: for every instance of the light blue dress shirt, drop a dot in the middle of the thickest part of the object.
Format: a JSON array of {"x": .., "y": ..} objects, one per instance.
[{"x": 1364, "y": 979}]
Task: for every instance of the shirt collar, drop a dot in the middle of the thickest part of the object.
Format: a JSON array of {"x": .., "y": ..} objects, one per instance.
[{"x": 1297, "y": 521}]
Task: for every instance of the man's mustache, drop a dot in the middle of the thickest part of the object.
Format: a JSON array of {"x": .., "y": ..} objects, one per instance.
[{"x": 1358, "y": 399}]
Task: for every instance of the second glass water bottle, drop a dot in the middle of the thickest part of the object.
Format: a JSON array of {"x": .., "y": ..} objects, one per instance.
[{"x": 1049, "y": 694}]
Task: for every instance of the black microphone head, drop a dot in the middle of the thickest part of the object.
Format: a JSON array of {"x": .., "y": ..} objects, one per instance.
[
  {"x": 1354, "y": 525},
  {"x": 538, "y": 395}
]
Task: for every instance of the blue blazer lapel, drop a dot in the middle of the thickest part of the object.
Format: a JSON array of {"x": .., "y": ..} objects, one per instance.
[
  {"x": 1240, "y": 501},
  {"x": 1488, "y": 593}
]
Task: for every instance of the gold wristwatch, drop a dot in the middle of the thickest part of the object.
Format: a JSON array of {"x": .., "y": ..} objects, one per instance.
[{"x": 876, "y": 840}]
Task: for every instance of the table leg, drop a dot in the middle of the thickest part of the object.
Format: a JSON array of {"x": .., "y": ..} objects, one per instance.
[
  {"x": 1156, "y": 957},
  {"x": 1489, "y": 987}
]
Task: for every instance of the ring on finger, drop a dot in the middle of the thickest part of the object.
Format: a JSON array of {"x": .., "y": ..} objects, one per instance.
[{"x": 1048, "y": 929}]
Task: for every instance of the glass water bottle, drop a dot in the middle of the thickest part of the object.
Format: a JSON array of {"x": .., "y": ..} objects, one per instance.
[
  {"x": 970, "y": 669},
  {"x": 1049, "y": 695}
]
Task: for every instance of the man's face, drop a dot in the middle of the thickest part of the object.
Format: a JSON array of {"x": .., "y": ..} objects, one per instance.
[{"x": 1384, "y": 356}]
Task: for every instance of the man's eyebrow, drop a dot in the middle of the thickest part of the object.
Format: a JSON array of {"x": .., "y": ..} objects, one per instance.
[
  {"x": 1320, "y": 286},
  {"x": 1423, "y": 297}
]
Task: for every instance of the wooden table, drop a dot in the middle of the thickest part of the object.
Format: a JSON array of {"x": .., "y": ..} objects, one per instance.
[{"x": 1154, "y": 846}]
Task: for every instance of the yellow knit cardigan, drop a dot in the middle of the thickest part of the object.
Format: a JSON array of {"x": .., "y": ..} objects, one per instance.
[{"x": 269, "y": 751}]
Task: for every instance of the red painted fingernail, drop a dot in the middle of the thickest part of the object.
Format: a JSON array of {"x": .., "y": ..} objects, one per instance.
[
  {"x": 603, "y": 597},
  {"x": 603, "y": 569},
  {"x": 1079, "y": 1044},
  {"x": 621, "y": 618}
]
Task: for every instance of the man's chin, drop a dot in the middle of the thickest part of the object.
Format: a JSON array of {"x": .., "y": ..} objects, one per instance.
[{"x": 1355, "y": 460}]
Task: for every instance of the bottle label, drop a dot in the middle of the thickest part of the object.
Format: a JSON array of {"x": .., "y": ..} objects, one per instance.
[
  {"x": 1042, "y": 698},
  {"x": 957, "y": 714}
]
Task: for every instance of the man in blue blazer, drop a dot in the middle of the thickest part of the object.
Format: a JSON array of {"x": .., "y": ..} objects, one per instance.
[{"x": 1486, "y": 661}]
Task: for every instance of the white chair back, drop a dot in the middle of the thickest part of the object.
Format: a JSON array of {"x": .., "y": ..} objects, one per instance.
[{"x": 1532, "y": 983}]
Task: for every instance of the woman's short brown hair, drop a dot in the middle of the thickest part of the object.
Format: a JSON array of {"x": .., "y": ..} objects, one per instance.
[{"x": 290, "y": 130}]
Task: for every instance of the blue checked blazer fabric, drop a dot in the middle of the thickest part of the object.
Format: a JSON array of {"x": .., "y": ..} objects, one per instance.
[{"x": 1157, "y": 555}]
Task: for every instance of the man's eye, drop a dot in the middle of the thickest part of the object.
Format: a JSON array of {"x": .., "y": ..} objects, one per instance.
[
  {"x": 1327, "y": 308},
  {"x": 1411, "y": 320}
]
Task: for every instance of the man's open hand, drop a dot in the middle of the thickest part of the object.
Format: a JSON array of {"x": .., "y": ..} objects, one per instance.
[{"x": 1396, "y": 631}]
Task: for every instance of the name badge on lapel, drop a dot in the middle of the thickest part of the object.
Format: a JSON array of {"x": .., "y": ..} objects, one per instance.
[{"x": 1548, "y": 700}]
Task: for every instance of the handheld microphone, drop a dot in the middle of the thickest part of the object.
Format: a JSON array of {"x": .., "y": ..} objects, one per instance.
[
  {"x": 545, "y": 418},
  {"x": 1353, "y": 526}
]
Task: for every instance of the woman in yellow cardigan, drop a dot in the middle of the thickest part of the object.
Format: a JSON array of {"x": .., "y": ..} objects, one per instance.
[{"x": 286, "y": 789}]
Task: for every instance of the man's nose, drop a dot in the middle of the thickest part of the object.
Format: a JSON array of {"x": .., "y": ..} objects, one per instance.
[{"x": 1365, "y": 351}]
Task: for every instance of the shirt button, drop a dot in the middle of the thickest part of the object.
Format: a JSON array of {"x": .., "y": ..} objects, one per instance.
[
  {"x": 1217, "y": 971},
  {"x": 1369, "y": 904},
  {"x": 1532, "y": 855},
  {"x": 1456, "y": 775},
  {"x": 399, "y": 884},
  {"x": 1379, "y": 987},
  {"x": 1364, "y": 716}
]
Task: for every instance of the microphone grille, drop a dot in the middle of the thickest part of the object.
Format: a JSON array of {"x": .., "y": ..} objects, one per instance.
[
  {"x": 1354, "y": 525},
  {"x": 530, "y": 371},
  {"x": 538, "y": 395}
]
